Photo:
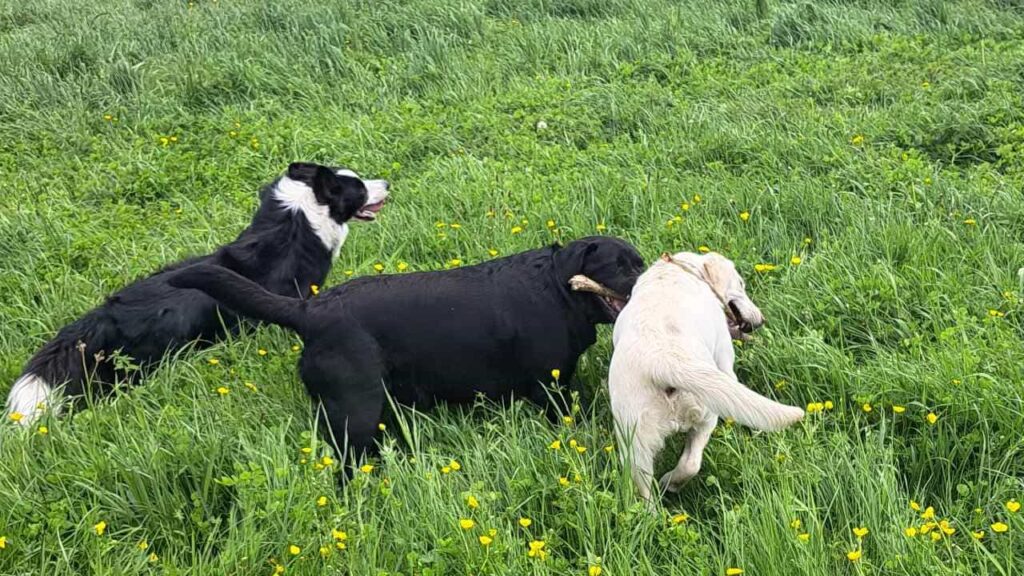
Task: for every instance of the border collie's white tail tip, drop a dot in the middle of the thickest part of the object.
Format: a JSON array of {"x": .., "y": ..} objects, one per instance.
[{"x": 27, "y": 398}]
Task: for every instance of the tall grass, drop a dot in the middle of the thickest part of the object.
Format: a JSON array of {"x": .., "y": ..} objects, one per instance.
[{"x": 881, "y": 143}]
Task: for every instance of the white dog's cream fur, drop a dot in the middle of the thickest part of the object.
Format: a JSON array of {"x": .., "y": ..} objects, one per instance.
[{"x": 672, "y": 369}]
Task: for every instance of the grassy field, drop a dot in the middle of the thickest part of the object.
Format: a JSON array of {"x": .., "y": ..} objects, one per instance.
[{"x": 870, "y": 153}]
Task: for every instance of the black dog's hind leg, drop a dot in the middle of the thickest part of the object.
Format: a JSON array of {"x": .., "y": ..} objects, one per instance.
[{"x": 344, "y": 382}]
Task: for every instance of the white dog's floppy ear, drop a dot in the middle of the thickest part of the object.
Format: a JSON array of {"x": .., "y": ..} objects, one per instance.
[{"x": 714, "y": 274}]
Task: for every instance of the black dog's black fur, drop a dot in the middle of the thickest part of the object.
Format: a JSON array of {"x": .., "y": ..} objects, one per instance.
[
  {"x": 497, "y": 328},
  {"x": 150, "y": 318}
]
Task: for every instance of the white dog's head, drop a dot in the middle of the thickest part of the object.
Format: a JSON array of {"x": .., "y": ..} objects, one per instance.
[{"x": 720, "y": 274}]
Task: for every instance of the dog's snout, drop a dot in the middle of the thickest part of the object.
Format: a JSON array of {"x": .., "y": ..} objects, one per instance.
[{"x": 385, "y": 184}]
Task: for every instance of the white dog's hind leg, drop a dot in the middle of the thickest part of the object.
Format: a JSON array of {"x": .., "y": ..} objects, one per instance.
[
  {"x": 643, "y": 447},
  {"x": 692, "y": 457}
]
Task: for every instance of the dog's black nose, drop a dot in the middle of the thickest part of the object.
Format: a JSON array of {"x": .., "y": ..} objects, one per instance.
[
  {"x": 746, "y": 327},
  {"x": 386, "y": 184}
]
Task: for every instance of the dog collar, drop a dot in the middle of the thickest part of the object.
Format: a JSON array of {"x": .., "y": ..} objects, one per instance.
[{"x": 686, "y": 267}]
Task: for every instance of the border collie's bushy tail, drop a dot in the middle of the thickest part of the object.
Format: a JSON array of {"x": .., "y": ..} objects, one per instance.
[{"x": 241, "y": 295}]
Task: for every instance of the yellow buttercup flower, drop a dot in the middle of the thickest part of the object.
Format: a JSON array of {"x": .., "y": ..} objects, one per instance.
[
  {"x": 970, "y": 222},
  {"x": 472, "y": 502},
  {"x": 327, "y": 461},
  {"x": 580, "y": 448},
  {"x": 296, "y": 347},
  {"x": 978, "y": 535},
  {"x": 365, "y": 468},
  {"x": 3, "y": 542},
  {"x": 466, "y": 523},
  {"x": 609, "y": 448},
  {"x": 339, "y": 535},
  {"x": 563, "y": 481},
  {"x": 915, "y": 506},
  {"x": 454, "y": 465},
  {"x": 454, "y": 263},
  {"x": 733, "y": 571},
  {"x": 931, "y": 418},
  {"x": 999, "y": 527},
  {"x": 485, "y": 540},
  {"x": 898, "y": 409},
  {"x": 321, "y": 501},
  {"x": 250, "y": 386},
  {"x": 16, "y": 416},
  {"x": 1013, "y": 506},
  {"x": 703, "y": 249},
  {"x": 866, "y": 407},
  {"x": 679, "y": 518},
  {"x": 854, "y": 555},
  {"x": 928, "y": 513},
  {"x": 378, "y": 267},
  {"x": 294, "y": 550},
  {"x": 492, "y": 252},
  {"x": 860, "y": 532},
  {"x": 517, "y": 229},
  {"x": 910, "y": 532},
  {"x": 594, "y": 571},
  {"x": 525, "y": 522},
  {"x": 455, "y": 225},
  {"x": 213, "y": 361},
  {"x": 325, "y": 551},
  {"x": 556, "y": 445},
  {"x": 946, "y": 528},
  {"x": 795, "y": 524},
  {"x": 536, "y": 549},
  {"x": 744, "y": 215},
  {"x": 795, "y": 260},
  {"x": 857, "y": 140},
  {"x": 684, "y": 206},
  {"x": 100, "y": 528},
  {"x": 568, "y": 420},
  {"x": 601, "y": 227},
  {"x": 402, "y": 266},
  {"x": 43, "y": 430},
  {"x": 764, "y": 267},
  {"x": 551, "y": 223},
  {"x": 446, "y": 469},
  {"x": 223, "y": 390},
  {"x": 935, "y": 536},
  {"x": 382, "y": 427},
  {"x": 314, "y": 289},
  {"x": 803, "y": 537},
  {"x": 828, "y": 405},
  {"x": 261, "y": 352}
]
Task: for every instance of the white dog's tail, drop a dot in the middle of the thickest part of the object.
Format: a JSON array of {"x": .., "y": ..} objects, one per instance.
[{"x": 726, "y": 396}]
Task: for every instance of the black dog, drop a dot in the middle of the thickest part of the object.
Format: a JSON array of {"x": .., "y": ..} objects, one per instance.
[
  {"x": 290, "y": 244},
  {"x": 497, "y": 328}
]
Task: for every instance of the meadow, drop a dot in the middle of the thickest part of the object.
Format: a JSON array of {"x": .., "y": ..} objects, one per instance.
[{"x": 862, "y": 161}]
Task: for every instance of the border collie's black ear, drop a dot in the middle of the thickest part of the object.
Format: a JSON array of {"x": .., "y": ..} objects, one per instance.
[{"x": 303, "y": 171}]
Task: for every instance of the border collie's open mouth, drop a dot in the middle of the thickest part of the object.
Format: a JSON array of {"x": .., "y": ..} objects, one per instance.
[
  {"x": 369, "y": 211},
  {"x": 612, "y": 301}
]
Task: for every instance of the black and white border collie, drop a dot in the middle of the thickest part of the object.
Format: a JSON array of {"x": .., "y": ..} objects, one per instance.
[{"x": 295, "y": 235}]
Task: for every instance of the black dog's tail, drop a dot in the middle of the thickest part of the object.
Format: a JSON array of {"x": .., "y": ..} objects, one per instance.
[{"x": 242, "y": 295}]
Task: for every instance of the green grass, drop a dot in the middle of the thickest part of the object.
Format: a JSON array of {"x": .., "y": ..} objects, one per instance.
[{"x": 889, "y": 134}]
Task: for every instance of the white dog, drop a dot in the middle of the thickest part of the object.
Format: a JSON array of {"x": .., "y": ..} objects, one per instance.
[{"x": 672, "y": 366}]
